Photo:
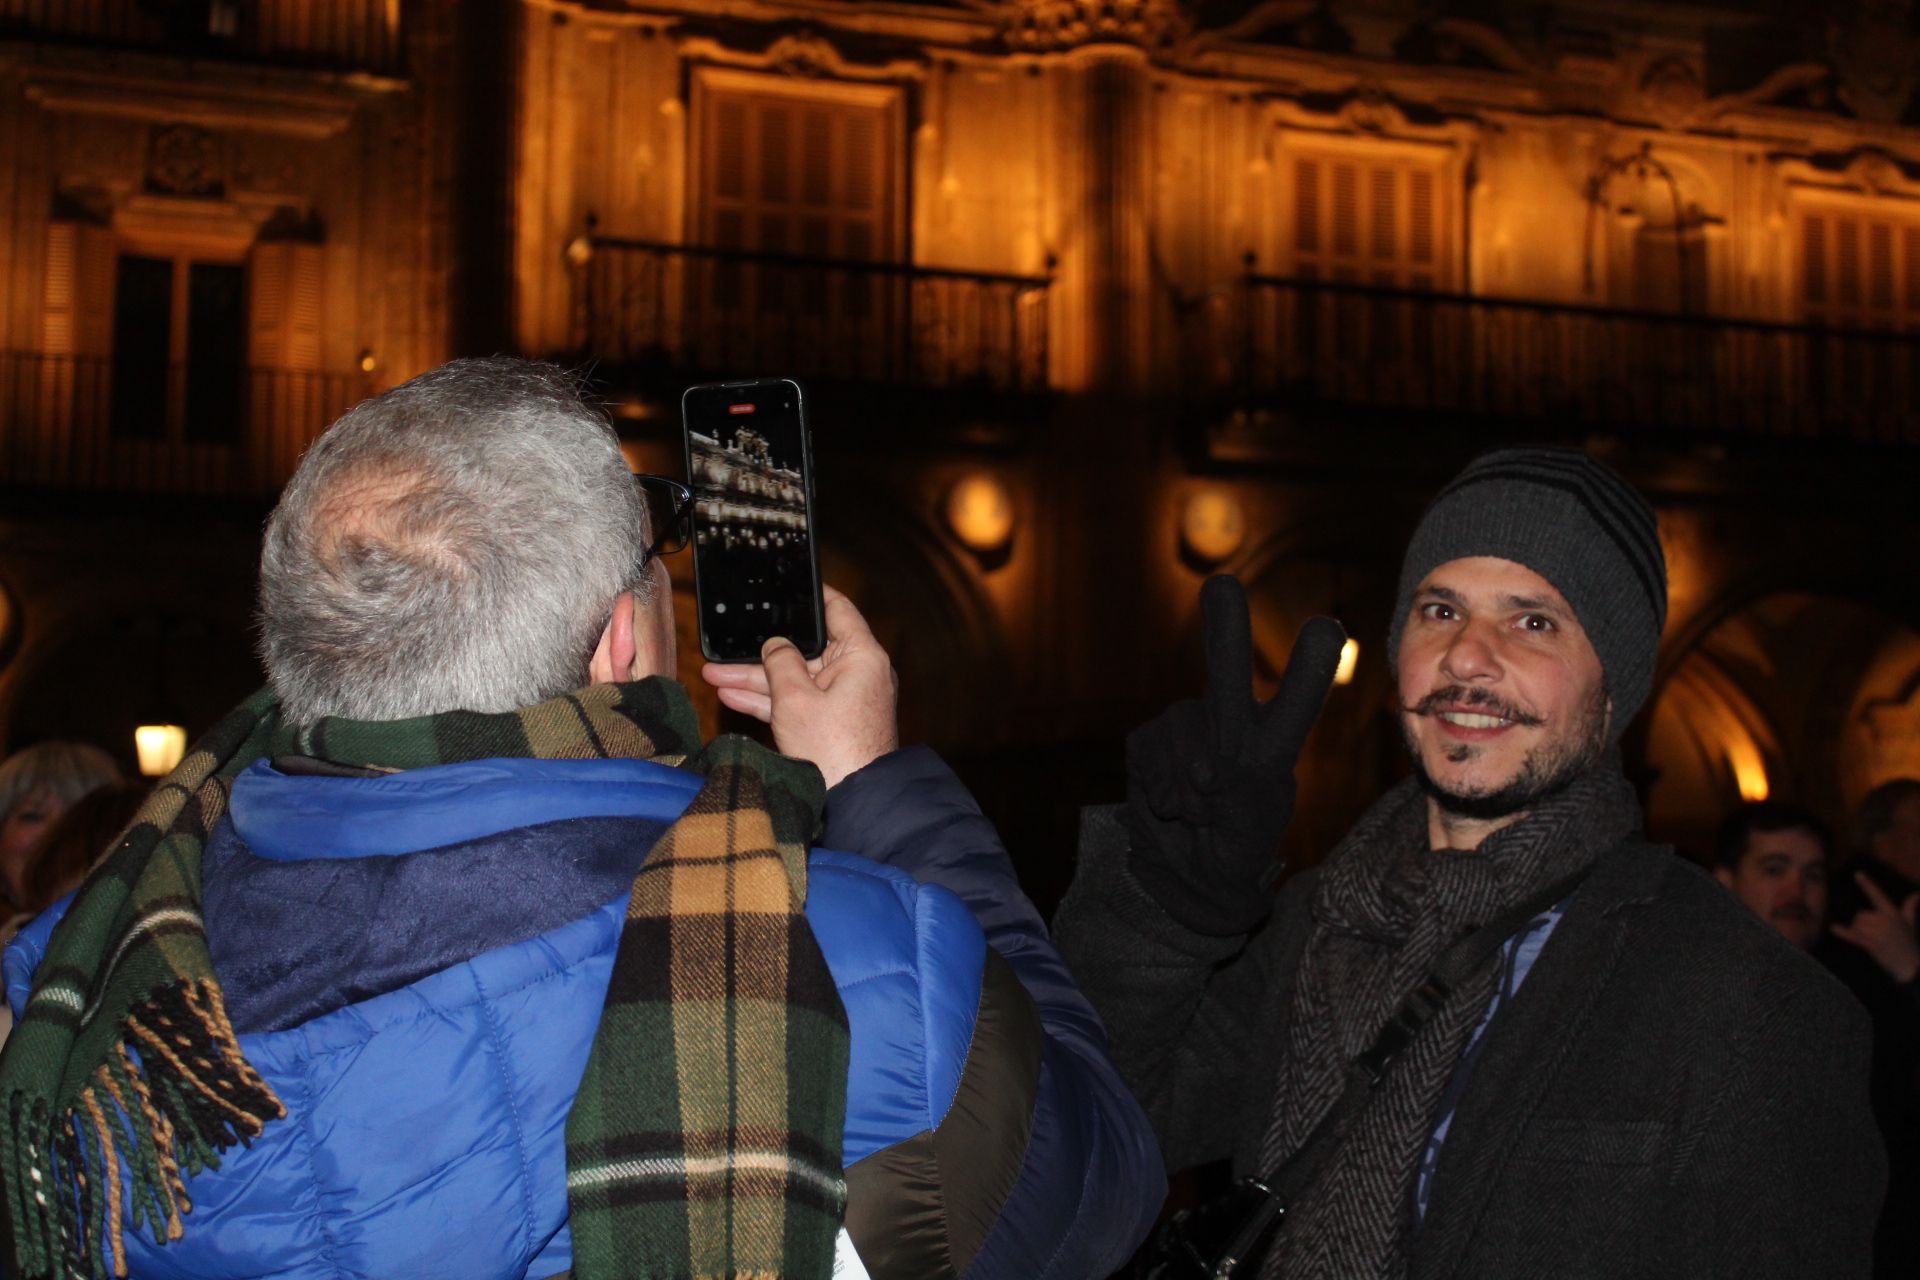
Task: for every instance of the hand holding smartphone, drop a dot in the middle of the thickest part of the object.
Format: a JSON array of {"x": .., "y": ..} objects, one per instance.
[{"x": 756, "y": 567}]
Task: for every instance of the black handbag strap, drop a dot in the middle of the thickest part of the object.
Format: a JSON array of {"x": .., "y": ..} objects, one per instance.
[{"x": 1455, "y": 965}]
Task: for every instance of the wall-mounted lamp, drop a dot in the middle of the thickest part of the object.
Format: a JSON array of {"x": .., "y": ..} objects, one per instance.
[
  {"x": 367, "y": 363},
  {"x": 980, "y": 513},
  {"x": 1749, "y": 770},
  {"x": 1349, "y": 659},
  {"x": 1212, "y": 525},
  {"x": 159, "y": 747}
]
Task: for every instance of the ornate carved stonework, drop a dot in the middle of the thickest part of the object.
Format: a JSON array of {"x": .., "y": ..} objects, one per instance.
[
  {"x": 1877, "y": 59},
  {"x": 185, "y": 160},
  {"x": 1671, "y": 92},
  {"x": 804, "y": 54},
  {"x": 1045, "y": 25}
]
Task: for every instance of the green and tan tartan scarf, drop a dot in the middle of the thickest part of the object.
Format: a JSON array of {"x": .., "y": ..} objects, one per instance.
[{"x": 705, "y": 1137}]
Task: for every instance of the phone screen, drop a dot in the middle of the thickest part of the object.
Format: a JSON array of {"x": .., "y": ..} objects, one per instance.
[{"x": 755, "y": 569}]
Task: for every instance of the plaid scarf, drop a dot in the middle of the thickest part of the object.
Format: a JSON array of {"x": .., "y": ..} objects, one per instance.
[{"x": 705, "y": 1137}]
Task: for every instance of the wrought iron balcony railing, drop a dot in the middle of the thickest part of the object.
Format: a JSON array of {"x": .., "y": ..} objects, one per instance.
[
  {"x": 1294, "y": 343},
  {"x": 701, "y": 309},
  {"x": 60, "y": 428},
  {"x": 334, "y": 35}
]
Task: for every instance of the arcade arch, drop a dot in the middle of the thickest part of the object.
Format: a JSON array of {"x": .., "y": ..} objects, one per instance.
[{"x": 1743, "y": 714}]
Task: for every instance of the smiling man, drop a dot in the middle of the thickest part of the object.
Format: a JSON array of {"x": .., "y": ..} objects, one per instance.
[{"x": 1602, "y": 1065}]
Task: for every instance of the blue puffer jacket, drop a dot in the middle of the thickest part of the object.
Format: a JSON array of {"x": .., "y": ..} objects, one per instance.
[{"x": 986, "y": 1133}]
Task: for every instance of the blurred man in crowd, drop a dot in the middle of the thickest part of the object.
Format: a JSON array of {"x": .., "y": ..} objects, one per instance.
[
  {"x": 504, "y": 973},
  {"x": 1874, "y": 950},
  {"x": 1551, "y": 1049},
  {"x": 1773, "y": 855}
]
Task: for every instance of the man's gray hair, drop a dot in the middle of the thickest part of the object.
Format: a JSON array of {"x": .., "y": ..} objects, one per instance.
[{"x": 455, "y": 543}]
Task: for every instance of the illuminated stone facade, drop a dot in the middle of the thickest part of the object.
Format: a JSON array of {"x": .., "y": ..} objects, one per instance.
[{"x": 1290, "y": 262}]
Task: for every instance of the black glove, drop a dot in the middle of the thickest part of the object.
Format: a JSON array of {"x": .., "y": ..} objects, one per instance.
[{"x": 1210, "y": 781}]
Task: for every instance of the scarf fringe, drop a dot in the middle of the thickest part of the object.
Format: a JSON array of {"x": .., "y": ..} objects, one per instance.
[{"x": 141, "y": 1124}]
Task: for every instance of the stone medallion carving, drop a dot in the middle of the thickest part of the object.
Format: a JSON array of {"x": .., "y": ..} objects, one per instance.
[
  {"x": 1671, "y": 92},
  {"x": 185, "y": 160},
  {"x": 1877, "y": 59}
]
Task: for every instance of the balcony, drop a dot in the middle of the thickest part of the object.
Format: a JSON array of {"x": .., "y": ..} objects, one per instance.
[
  {"x": 59, "y": 430},
  {"x": 330, "y": 35},
  {"x": 1285, "y": 346},
  {"x": 696, "y": 310}
]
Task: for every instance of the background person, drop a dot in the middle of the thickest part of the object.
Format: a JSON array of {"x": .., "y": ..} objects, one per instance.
[
  {"x": 36, "y": 786},
  {"x": 1773, "y": 856},
  {"x": 65, "y": 853},
  {"x": 1873, "y": 950}
]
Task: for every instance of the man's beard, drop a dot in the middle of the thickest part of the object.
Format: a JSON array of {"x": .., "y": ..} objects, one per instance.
[{"x": 1545, "y": 771}]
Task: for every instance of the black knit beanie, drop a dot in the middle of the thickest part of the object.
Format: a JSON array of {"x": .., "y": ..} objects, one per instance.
[{"x": 1575, "y": 523}]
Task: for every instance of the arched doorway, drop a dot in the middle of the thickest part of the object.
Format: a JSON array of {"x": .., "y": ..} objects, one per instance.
[{"x": 1795, "y": 695}]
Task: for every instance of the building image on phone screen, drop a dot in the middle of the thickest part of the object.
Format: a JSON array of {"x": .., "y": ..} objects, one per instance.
[{"x": 752, "y": 533}]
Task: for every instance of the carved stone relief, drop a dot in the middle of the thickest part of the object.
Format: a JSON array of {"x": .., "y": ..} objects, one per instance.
[
  {"x": 185, "y": 160},
  {"x": 1877, "y": 58}
]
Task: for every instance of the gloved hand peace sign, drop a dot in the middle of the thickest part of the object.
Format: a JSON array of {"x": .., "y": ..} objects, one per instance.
[{"x": 1210, "y": 785}]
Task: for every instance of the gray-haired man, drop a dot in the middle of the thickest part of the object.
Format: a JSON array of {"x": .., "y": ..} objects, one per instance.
[{"x": 504, "y": 973}]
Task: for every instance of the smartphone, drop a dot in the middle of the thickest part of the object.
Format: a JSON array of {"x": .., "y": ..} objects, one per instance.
[{"x": 756, "y": 566}]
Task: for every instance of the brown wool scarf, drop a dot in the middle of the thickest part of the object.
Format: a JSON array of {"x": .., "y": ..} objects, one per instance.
[{"x": 1386, "y": 906}]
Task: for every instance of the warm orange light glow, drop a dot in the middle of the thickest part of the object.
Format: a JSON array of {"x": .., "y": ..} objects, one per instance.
[
  {"x": 1749, "y": 770},
  {"x": 159, "y": 747},
  {"x": 1212, "y": 525},
  {"x": 1349, "y": 659},
  {"x": 980, "y": 512}
]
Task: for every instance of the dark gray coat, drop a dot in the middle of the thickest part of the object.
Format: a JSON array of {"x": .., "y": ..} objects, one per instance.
[{"x": 1675, "y": 1091}]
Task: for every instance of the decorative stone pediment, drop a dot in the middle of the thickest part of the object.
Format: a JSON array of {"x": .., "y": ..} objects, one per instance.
[
  {"x": 1043, "y": 26},
  {"x": 805, "y": 53}
]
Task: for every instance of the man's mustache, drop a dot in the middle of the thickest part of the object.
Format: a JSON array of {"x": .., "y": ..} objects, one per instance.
[
  {"x": 1794, "y": 911},
  {"x": 1480, "y": 700}
]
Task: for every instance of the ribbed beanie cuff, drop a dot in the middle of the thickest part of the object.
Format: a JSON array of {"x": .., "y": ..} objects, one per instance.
[{"x": 1577, "y": 524}]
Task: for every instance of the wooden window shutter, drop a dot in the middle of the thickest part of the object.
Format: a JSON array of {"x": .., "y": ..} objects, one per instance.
[
  {"x": 304, "y": 290},
  {"x": 1423, "y": 233},
  {"x": 1383, "y": 220},
  {"x": 1880, "y": 266},
  {"x": 862, "y": 172},
  {"x": 1306, "y": 208},
  {"x": 1910, "y": 252},
  {"x": 727, "y": 150},
  {"x": 786, "y": 174},
  {"x": 1346, "y": 211},
  {"x": 776, "y": 152},
  {"x": 1846, "y": 267},
  {"x": 285, "y": 298},
  {"x": 1813, "y": 259},
  {"x": 1385, "y": 228},
  {"x": 1367, "y": 222},
  {"x": 77, "y": 313},
  {"x": 269, "y": 285},
  {"x": 1859, "y": 271}
]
